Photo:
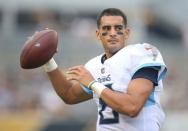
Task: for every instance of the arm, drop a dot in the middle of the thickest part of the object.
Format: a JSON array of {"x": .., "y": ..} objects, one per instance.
[
  {"x": 139, "y": 89},
  {"x": 69, "y": 90},
  {"x": 129, "y": 103}
]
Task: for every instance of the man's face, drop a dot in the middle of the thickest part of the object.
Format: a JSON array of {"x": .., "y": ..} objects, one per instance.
[{"x": 112, "y": 33}]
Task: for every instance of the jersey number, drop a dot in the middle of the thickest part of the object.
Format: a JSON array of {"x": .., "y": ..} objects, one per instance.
[{"x": 115, "y": 114}]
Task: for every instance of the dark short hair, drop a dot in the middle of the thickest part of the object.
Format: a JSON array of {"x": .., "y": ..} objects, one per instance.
[{"x": 111, "y": 12}]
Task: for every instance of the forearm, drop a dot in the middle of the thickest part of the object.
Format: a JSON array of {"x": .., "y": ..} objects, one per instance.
[
  {"x": 120, "y": 102},
  {"x": 69, "y": 91},
  {"x": 60, "y": 84},
  {"x": 130, "y": 102}
]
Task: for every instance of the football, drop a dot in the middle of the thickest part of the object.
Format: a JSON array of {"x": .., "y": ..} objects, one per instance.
[{"x": 39, "y": 49}]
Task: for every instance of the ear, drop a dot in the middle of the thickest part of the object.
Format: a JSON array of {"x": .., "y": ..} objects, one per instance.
[
  {"x": 127, "y": 33},
  {"x": 98, "y": 34}
]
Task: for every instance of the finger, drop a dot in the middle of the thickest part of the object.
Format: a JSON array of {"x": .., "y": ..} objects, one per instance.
[
  {"x": 80, "y": 67},
  {"x": 71, "y": 77},
  {"x": 36, "y": 32},
  {"x": 73, "y": 69},
  {"x": 73, "y": 72},
  {"x": 31, "y": 37}
]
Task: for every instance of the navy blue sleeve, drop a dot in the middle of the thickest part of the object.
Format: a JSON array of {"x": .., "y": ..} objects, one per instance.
[{"x": 150, "y": 73}]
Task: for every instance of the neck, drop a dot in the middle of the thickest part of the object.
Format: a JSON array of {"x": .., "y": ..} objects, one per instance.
[{"x": 110, "y": 54}]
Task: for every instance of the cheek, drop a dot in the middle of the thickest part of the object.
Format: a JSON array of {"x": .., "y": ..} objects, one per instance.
[
  {"x": 104, "y": 33},
  {"x": 122, "y": 38},
  {"x": 119, "y": 33}
]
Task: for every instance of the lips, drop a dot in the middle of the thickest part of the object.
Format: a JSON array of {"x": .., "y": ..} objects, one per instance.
[{"x": 112, "y": 40}]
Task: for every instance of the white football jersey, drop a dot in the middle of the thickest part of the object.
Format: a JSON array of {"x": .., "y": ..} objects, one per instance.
[{"x": 116, "y": 73}]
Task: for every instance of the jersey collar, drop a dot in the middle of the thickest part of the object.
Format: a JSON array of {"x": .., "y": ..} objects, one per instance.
[{"x": 103, "y": 58}]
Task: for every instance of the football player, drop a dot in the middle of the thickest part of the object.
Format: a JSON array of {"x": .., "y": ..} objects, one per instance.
[{"x": 125, "y": 81}]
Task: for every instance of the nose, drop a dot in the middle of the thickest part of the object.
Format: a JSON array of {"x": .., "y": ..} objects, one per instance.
[{"x": 112, "y": 32}]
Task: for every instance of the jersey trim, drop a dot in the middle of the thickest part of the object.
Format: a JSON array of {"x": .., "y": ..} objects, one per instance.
[
  {"x": 150, "y": 73},
  {"x": 162, "y": 71},
  {"x": 88, "y": 91},
  {"x": 151, "y": 100},
  {"x": 103, "y": 58}
]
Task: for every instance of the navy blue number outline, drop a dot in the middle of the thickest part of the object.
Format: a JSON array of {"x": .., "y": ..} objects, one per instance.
[{"x": 103, "y": 120}]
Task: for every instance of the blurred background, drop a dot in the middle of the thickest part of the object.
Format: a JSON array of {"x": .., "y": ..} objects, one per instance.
[{"x": 27, "y": 100}]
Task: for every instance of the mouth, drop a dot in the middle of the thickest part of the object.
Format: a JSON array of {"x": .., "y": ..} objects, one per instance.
[{"x": 113, "y": 41}]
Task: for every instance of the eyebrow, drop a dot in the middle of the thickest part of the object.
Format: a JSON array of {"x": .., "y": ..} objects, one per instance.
[
  {"x": 105, "y": 26},
  {"x": 118, "y": 25}
]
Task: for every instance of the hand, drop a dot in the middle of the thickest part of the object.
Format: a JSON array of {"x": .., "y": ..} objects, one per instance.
[
  {"x": 29, "y": 38},
  {"x": 80, "y": 74}
]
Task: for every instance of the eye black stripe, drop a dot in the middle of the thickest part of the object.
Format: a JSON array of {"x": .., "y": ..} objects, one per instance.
[{"x": 104, "y": 34}]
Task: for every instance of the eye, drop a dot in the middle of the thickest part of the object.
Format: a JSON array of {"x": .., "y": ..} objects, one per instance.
[
  {"x": 106, "y": 28},
  {"x": 118, "y": 27}
]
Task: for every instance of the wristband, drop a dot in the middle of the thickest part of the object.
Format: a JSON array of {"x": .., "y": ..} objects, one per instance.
[
  {"x": 91, "y": 83},
  {"x": 97, "y": 88},
  {"x": 50, "y": 65}
]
